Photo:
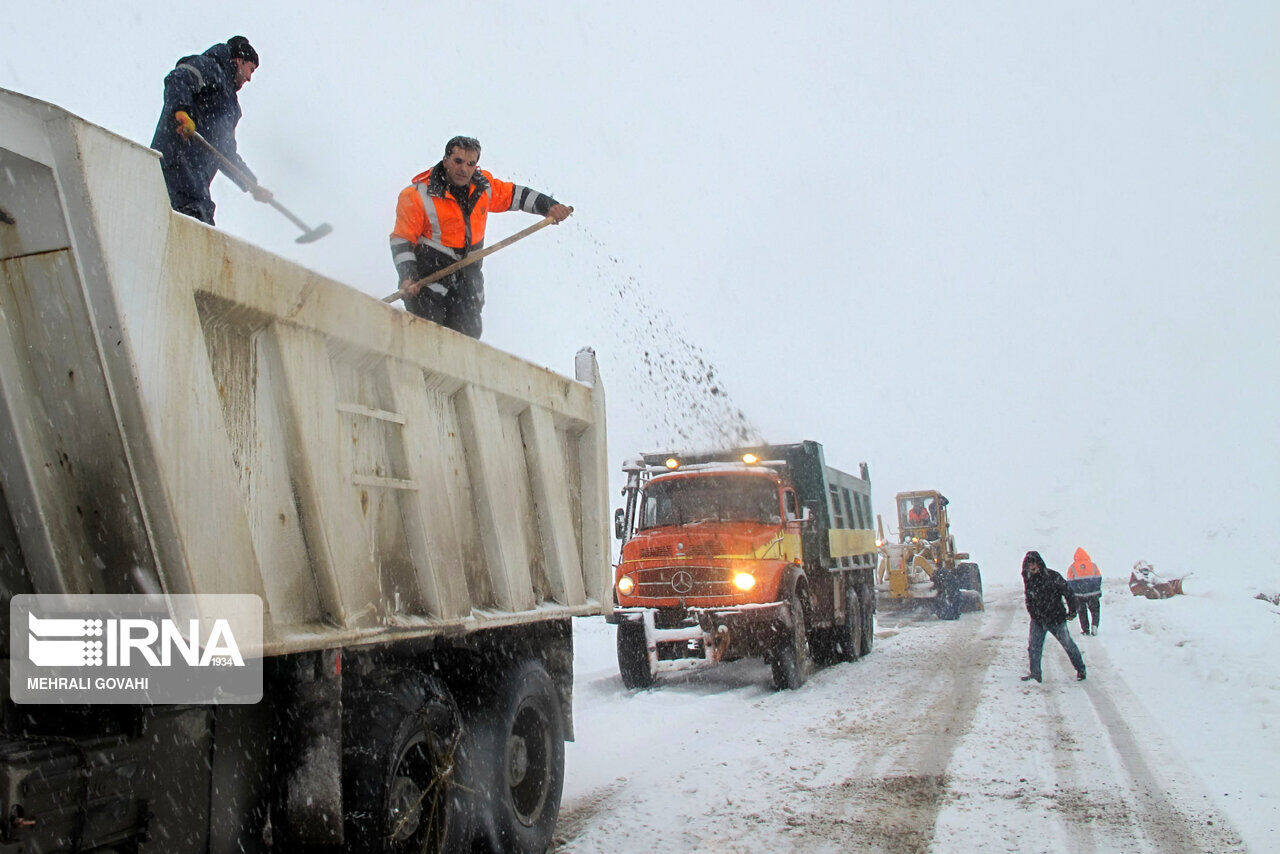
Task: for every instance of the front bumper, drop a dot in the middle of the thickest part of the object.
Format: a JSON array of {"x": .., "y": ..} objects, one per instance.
[{"x": 711, "y": 634}]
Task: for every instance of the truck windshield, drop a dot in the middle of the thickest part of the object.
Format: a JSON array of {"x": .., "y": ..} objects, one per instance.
[{"x": 710, "y": 498}]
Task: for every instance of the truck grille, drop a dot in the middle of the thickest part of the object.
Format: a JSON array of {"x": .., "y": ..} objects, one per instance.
[
  {"x": 684, "y": 582},
  {"x": 711, "y": 549}
]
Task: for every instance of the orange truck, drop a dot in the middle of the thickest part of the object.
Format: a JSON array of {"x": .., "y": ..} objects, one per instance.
[{"x": 753, "y": 552}]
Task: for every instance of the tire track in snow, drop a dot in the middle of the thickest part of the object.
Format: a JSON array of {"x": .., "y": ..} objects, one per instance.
[
  {"x": 1168, "y": 825},
  {"x": 1077, "y": 802},
  {"x": 1069, "y": 791},
  {"x": 573, "y": 819},
  {"x": 892, "y": 801}
]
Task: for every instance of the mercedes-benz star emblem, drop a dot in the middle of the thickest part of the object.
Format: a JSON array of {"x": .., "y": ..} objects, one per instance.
[{"x": 682, "y": 582}]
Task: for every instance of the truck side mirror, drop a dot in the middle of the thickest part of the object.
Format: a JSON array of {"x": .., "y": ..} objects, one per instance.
[
  {"x": 619, "y": 523},
  {"x": 809, "y": 516}
]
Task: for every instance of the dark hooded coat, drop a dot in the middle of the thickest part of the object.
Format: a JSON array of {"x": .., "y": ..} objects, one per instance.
[
  {"x": 204, "y": 87},
  {"x": 1049, "y": 599}
]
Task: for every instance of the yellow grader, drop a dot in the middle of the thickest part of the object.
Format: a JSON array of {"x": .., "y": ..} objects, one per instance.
[{"x": 923, "y": 566}]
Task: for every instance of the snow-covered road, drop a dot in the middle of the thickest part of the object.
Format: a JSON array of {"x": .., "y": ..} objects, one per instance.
[{"x": 931, "y": 743}]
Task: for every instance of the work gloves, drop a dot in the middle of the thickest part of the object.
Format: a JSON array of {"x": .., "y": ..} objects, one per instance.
[{"x": 186, "y": 127}]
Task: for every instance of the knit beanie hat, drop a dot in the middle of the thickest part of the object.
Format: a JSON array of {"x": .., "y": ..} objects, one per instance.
[{"x": 241, "y": 49}]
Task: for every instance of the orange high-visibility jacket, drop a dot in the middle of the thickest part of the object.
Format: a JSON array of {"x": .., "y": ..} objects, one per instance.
[
  {"x": 433, "y": 229},
  {"x": 1084, "y": 578}
]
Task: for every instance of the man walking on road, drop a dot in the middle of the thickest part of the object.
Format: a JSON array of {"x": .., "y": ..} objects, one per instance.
[
  {"x": 1085, "y": 580},
  {"x": 440, "y": 219},
  {"x": 1050, "y": 604},
  {"x": 200, "y": 97}
]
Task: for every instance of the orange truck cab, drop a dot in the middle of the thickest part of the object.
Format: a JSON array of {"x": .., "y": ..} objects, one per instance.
[{"x": 760, "y": 551}]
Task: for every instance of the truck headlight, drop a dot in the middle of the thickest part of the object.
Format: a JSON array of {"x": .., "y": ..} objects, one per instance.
[
  {"x": 744, "y": 581},
  {"x": 626, "y": 584}
]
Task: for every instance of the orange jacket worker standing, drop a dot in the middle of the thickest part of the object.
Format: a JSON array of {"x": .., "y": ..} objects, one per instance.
[
  {"x": 440, "y": 219},
  {"x": 1085, "y": 580}
]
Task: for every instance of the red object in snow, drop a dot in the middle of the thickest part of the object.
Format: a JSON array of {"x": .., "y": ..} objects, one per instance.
[{"x": 1143, "y": 581}]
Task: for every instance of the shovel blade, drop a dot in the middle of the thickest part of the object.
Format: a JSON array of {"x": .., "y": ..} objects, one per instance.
[{"x": 315, "y": 234}]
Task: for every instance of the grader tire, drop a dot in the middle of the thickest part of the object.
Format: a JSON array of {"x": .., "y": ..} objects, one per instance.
[
  {"x": 971, "y": 580},
  {"x": 946, "y": 604}
]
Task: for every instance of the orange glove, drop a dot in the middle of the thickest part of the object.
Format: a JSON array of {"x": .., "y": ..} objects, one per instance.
[{"x": 186, "y": 127}]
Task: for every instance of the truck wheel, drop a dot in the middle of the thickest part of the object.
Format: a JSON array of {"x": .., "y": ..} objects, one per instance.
[
  {"x": 524, "y": 736},
  {"x": 404, "y": 763},
  {"x": 791, "y": 660},
  {"x": 848, "y": 635},
  {"x": 633, "y": 656},
  {"x": 868, "y": 619}
]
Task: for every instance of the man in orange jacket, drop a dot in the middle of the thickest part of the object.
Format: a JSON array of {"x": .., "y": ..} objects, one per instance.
[
  {"x": 440, "y": 219},
  {"x": 1085, "y": 580}
]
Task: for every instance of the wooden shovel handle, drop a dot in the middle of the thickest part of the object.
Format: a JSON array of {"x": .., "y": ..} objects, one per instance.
[{"x": 474, "y": 257}]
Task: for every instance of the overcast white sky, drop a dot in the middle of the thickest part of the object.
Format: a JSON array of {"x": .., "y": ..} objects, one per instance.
[{"x": 1023, "y": 253}]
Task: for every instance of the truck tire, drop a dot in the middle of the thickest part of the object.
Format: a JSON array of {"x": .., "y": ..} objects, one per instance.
[
  {"x": 849, "y": 634},
  {"x": 971, "y": 580},
  {"x": 405, "y": 765},
  {"x": 868, "y": 600},
  {"x": 633, "y": 656},
  {"x": 522, "y": 731},
  {"x": 790, "y": 659}
]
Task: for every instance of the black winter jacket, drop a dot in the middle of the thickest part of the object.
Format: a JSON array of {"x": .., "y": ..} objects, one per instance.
[
  {"x": 1049, "y": 599},
  {"x": 203, "y": 86}
]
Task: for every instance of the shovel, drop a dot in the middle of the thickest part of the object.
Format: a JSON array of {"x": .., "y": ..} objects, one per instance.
[
  {"x": 309, "y": 234},
  {"x": 471, "y": 259}
]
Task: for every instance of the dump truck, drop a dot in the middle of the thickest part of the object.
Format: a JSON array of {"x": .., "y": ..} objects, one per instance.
[
  {"x": 754, "y": 552},
  {"x": 923, "y": 566},
  {"x": 420, "y": 515}
]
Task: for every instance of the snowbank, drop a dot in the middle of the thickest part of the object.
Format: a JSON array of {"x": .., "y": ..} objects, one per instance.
[{"x": 1204, "y": 665}]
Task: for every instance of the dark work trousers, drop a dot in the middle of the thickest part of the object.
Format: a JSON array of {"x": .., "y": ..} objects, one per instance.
[
  {"x": 186, "y": 194},
  {"x": 1089, "y": 605},
  {"x": 1035, "y": 646},
  {"x": 456, "y": 303}
]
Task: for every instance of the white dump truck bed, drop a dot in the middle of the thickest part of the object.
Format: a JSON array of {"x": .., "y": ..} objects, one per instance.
[{"x": 183, "y": 411}]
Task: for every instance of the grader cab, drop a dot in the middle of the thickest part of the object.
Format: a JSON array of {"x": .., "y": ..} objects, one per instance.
[{"x": 923, "y": 566}]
